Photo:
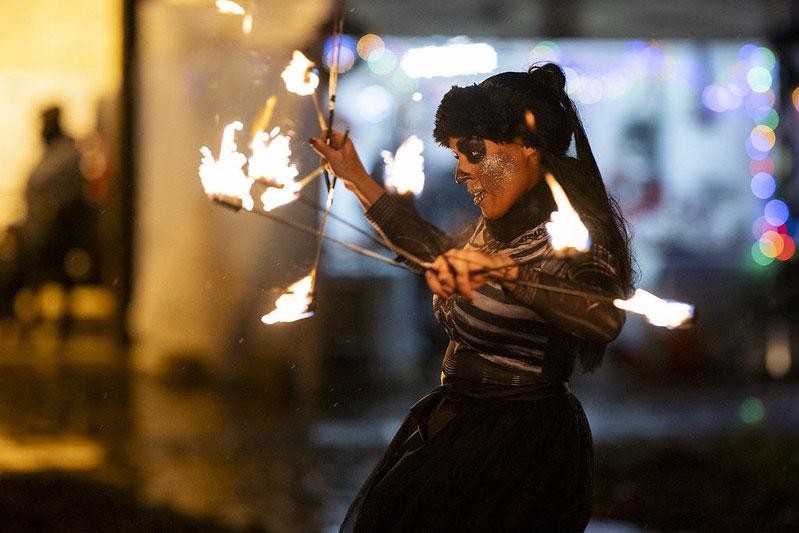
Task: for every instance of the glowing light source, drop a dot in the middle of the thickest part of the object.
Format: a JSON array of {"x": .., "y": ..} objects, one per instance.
[
  {"x": 293, "y": 305},
  {"x": 764, "y": 165},
  {"x": 566, "y": 231},
  {"x": 788, "y": 248},
  {"x": 762, "y": 138},
  {"x": 795, "y": 98},
  {"x": 382, "y": 61},
  {"x": 778, "y": 350},
  {"x": 759, "y": 257},
  {"x": 270, "y": 159},
  {"x": 405, "y": 169},
  {"x": 776, "y": 212},
  {"x": 346, "y": 56},
  {"x": 763, "y": 185},
  {"x": 223, "y": 179},
  {"x": 759, "y": 79},
  {"x": 752, "y": 411},
  {"x": 771, "y": 244},
  {"x": 657, "y": 311},
  {"x": 457, "y": 59},
  {"x": 229, "y": 7},
  {"x": 368, "y": 44},
  {"x": 298, "y": 75}
]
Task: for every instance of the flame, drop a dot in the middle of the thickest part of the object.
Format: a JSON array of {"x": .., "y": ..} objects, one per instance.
[
  {"x": 293, "y": 304},
  {"x": 270, "y": 158},
  {"x": 298, "y": 76},
  {"x": 566, "y": 231},
  {"x": 223, "y": 178},
  {"x": 230, "y": 7},
  {"x": 658, "y": 312},
  {"x": 274, "y": 197},
  {"x": 405, "y": 170}
]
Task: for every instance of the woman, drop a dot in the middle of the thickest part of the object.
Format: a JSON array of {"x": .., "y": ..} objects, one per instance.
[{"x": 501, "y": 445}]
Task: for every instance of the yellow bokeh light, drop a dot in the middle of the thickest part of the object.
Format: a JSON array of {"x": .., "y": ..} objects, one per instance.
[
  {"x": 771, "y": 244},
  {"x": 368, "y": 44},
  {"x": 795, "y": 98},
  {"x": 766, "y": 133}
]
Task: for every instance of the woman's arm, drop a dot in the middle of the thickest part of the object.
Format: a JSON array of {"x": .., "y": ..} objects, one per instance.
[
  {"x": 402, "y": 228},
  {"x": 593, "y": 319}
]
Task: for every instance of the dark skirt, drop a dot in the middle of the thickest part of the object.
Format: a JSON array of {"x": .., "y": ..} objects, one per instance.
[{"x": 460, "y": 463}]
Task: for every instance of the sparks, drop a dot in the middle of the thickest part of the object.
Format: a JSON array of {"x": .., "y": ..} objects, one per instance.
[
  {"x": 298, "y": 75},
  {"x": 405, "y": 169},
  {"x": 566, "y": 231},
  {"x": 270, "y": 161},
  {"x": 223, "y": 178},
  {"x": 293, "y": 305},
  {"x": 229, "y": 7},
  {"x": 658, "y": 312}
]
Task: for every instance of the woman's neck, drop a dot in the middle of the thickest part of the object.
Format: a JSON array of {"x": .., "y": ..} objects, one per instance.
[{"x": 528, "y": 211}]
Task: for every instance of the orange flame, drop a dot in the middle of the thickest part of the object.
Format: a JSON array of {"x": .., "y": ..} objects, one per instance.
[
  {"x": 405, "y": 169},
  {"x": 566, "y": 231},
  {"x": 293, "y": 304},
  {"x": 298, "y": 76},
  {"x": 658, "y": 312},
  {"x": 224, "y": 178}
]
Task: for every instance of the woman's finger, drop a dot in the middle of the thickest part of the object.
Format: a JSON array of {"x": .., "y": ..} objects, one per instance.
[
  {"x": 444, "y": 274},
  {"x": 461, "y": 268},
  {"x": 432, "y": 282}
]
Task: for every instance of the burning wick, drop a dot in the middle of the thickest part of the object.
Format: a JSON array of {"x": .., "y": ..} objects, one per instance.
[
  {"x": 301, "y": 80},
  {"x": 229, "y": 7},
  {"x": 658, "y": 312},
  {"x": 223, "y": 179},
  {"x": 293, "y": 305},
  {"x": 566, "y": 231},
  {"x": 405, "y": 169}
]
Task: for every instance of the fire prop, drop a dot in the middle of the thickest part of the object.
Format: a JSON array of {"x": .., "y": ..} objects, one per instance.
[
  {"x": 658, "y": 312},
  {"x": 293, "y": 305},
  {"x": 567, "y": 233},
  {"x": 302, "y": 80},
  {"x": 405, "y": 169},
  {"x": 223, "y": 179}
]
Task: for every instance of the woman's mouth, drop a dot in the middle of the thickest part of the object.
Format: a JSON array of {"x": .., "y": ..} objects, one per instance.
[{"x": 478, "y": 197}]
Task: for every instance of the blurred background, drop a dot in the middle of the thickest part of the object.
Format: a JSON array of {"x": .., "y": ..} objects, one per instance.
[{"x": 140, "y": 388}]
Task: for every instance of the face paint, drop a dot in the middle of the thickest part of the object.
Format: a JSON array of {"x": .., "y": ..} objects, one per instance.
[
  {"x": 473, "y": 148},
  {"x": 497, "y": 170}
]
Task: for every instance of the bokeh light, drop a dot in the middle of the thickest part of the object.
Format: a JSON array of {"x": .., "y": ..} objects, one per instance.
[
  {"x": 763, "y": 57},
  {"x": 795, "y": 98},
  {"x": 788, "y": 248},
  {"x": 764, "y": 165},
  {"x": 545, "y": 51},
  {"x": 759, "y": 79},
  {"x": 368, "y": 44},
  {"x": 382, "y": 61},
  {"x": 758, "y": 105},
  {"x": 752, "y": 411},
  {"x": 776, "y": 212},
  {"x": 346, "y": 56},
  {"x": 772, "y": 120},
  {"x": 375, "y": 102},
  {"x": 762, "y": 138},
  {"x": 771, "y": 244},
  {"x": 763, "y": 185},
  {"x": 745, "y": 53},
  {"x": 758, "y": 256},
  {"x": 753, "y": 152}
]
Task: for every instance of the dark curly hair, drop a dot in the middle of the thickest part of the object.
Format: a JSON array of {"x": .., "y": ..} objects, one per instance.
[{"x": 499, "y": 109}]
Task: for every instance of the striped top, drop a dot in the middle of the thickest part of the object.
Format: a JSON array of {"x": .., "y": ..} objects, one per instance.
[{"x": 499, "y": 338}]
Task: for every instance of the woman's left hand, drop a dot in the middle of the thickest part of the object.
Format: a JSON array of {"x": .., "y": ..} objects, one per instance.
[{"x": 463, "y": 271}]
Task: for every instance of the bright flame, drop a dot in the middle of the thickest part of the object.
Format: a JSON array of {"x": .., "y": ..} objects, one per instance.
[
  {"x": 658, "y": 312},
  {"x": 223, "y": 178},
  {"x": 293, "y": 305},
  {"x": 298, "y": 76},
  {"x": 274, "y": 197},
  {"x": 566, "y": 230},
  {"x": 270, "y": 158},
  {"x": 405, "y": 170},
  {"x": 228, "y": 6}
]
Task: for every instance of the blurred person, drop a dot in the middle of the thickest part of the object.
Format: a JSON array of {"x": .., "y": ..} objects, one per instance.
[
  {"x": 53, "y": 241},
  {"x": 502, "y": 444}
]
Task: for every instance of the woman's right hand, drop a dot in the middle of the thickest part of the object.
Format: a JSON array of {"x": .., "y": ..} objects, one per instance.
[{"x": 343, "y": 161}]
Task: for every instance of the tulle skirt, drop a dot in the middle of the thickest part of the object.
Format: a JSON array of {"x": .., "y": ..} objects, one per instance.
[{"x": 460, "y": 463}]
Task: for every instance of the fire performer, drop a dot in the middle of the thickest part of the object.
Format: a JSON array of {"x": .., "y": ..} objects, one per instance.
[{"x": 501, "y": 445}]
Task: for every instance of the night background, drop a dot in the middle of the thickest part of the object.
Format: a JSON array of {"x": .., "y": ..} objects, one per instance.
[{"x": 139, "y": 388}]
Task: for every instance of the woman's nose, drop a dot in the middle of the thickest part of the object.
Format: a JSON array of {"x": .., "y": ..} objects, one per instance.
[{"x": 461, "y": 176}]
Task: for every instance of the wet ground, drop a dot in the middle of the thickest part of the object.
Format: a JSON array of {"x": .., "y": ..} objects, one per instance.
[{"x": 85, "y": 444}]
